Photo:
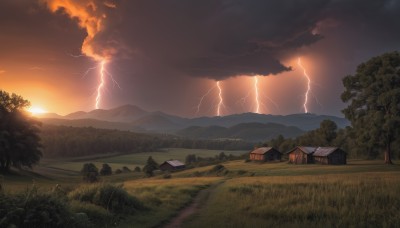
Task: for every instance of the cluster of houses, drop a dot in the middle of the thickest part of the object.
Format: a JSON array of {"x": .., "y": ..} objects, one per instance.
[
  {"x": 298, "y": 155},
  {"x": 302, "y": 155}
]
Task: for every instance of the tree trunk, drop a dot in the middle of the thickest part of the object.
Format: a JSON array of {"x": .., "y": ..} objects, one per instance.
[{"x": 388, "y": 156}]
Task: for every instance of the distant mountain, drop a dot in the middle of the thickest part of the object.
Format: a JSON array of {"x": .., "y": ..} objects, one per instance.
[
  {"x": 244, "y": 131},
  {"x": 130, "y": 117},
  {"x": 92, "y": 123},
  {"x": 126, "y": 113},
  {"x": 303, "y": 121}
]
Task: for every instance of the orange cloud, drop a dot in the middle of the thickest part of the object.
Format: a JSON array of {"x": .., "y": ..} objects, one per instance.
[{"x": 91, "y": 16}]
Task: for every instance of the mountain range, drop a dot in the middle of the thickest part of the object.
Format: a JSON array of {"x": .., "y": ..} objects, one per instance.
[{"x": 248, "y": 126}]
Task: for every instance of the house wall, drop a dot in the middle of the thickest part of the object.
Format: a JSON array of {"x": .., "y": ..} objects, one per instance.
[
  {"x": 337, "y": 158},
  {"x": 257, "y": 157},
  {"x": 299, "y": 157},
  {"x": 166, "y": 166},
  {"x": 321, "y": 160},
  {"x": 272, "y": 155}
]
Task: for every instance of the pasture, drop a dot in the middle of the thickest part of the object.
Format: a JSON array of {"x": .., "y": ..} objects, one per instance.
[
  {"x": 247, "y": 194},
  {"x": 133, "y": 160}
]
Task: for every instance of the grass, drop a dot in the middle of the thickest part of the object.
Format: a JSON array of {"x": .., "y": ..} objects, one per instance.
[
  {"x": 360, "y": 194},
  {"x": 133, "y": 160},
  {"x": 164, "y": 197},
  {"x": 335, "y": 200}
]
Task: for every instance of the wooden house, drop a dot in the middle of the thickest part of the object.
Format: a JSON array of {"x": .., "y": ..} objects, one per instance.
[
  {"x": 330, "y": 156},
  {"x": 301, "y": 155},
  {"x": 265, "y": 154},
  {"x": 172, "y": 165}
]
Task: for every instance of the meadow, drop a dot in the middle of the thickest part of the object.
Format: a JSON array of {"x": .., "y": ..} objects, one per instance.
[
  {"x": 133, "y": 160},
  {"x": 362, "y": 193}
]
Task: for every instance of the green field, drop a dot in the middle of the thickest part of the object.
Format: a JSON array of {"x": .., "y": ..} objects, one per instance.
[
  {"x": 133, "y": 160},
  {"x": 245, "y": 194}
]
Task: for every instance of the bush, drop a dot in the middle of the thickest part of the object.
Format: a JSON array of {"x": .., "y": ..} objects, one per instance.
[
  {"x": 111, "y": 197},
  {"x": 126, "y": 169},
  {"x": 96, "y": 215},
  {"x": 137, "y": 169},
  {"x": 118, "y": 171},
  {"x": 217, "y": 168},
  {"x": 33, "y": 209},
  {"x": 106, "y": 170},
  {"x": 90, "y": 172}
]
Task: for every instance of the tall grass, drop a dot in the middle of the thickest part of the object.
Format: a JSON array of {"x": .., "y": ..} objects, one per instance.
[
  {"x": 163, "y": 197},
  {"x": 348, "y": 200}
]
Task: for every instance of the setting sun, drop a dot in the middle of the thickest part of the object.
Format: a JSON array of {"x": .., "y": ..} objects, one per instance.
[{"x": 36, "y": 110}]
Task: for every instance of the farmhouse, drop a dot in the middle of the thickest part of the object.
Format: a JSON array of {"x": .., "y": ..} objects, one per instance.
[
  {"x": 265, "y": 154},
  {"x": 330, "y": 156},
  {"x": 172, "y": 165},
  {"x": 301, "y": 155},
  {"x": 321, "y": 155}
]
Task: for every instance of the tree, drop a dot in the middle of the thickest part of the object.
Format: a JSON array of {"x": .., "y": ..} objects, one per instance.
[
  {"x": 105, "y": 170},
  {"x": 326, "y": 133},
  {"x": 150, "y": 166},
  {"x": 19, "y": 134},
  {"x": 90, "y": 172},
  {"x": 373, "y": 94}
]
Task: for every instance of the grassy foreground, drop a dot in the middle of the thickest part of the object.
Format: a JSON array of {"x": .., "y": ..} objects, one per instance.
[
  {"x": 360, "y": 194},
  {"x": 332, "y": 200}
]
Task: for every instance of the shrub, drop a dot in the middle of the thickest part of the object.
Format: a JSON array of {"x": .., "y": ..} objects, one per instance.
[
  {"x": 90, "y": 172},
  {"x": 111, "y": 197},
  {"x": 126, "y": 169},
  {"x": 118, "y": 171},
  {"x": 137, "y": 169},
  {"x": 96, "y": 215},
  {"x": 217, "y": 168},
  {"x": 33, "y": 209},
  {"x": 106, "y": 170}
]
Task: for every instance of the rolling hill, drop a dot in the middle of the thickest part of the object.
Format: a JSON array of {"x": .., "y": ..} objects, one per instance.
[
  {"x": 245, "y": 125},
  {"x": 244, "y": 131}
]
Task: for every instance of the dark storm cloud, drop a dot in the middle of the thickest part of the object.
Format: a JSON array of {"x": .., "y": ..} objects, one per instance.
[{"x": 219, "y": 39}]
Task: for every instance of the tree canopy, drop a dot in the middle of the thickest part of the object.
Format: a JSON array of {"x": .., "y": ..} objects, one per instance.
[
  {"x": 373, "y": 94},
  {"x": 19, "y": 134}
]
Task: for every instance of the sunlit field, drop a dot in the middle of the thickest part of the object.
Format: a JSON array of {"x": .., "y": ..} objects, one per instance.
[
  {"x": 138, "y": 159},
  {"x": 244, "y": 194},
  {"x": 336, "y": 200}
]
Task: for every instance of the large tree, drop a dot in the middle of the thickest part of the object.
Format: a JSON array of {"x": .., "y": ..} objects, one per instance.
[
  {"x": 19, "y": 134},
  {"x": 373, "y": 94}
]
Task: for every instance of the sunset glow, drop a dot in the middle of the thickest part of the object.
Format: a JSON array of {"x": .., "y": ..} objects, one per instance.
[{"x": 36, "y": 110}]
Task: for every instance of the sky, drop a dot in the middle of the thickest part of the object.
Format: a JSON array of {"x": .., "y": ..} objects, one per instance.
[{"x": 169, "y": 55}]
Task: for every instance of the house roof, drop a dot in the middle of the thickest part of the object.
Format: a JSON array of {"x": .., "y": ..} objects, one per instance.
[
  {"x": 305, "y": 149},
  {"x": 262, "y": 150},
  {"x": 324, "y": 151},
  {"x": 174, "y": 163}
]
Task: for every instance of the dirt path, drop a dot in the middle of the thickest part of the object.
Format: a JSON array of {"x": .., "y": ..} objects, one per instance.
[{"x": 199, "y": 200}]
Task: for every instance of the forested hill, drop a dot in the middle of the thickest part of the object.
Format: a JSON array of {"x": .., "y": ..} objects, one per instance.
[
  {"x": 133, "y": 118},
  {"x": 63, "y": 141},
  {"x": 244, "y": 131}
]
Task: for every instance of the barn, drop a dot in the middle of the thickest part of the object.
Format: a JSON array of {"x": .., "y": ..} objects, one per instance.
[
  {"x": 301, "y": 155},
  {"x": 329, "y": 156},
  {"x": 172, "y": 165},
  {"x": 265, "y": 154}
]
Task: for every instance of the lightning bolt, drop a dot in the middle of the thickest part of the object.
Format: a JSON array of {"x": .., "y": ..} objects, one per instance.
[
  {"x": 256, "y": 99},
  {"x": 202, "y": 98},
  {"x": 308, "y": 84},
  {"x": 221, "y": 101},
  {"x": 102, "y": 82}
]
